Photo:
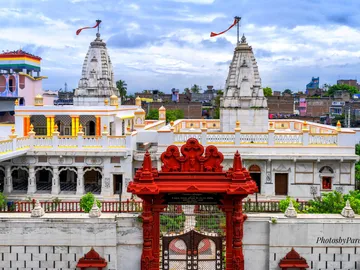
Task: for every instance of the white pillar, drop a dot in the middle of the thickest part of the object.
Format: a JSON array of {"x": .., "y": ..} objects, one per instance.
[
  {"x": 32, "y": 180},
  {"x": 80, "y": 181},
  {"x": 8, "y": 187},
  {"x": 55, "y": 181}
]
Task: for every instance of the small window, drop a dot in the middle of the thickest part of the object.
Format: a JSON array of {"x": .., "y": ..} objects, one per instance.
[
  {"x": 79, "y": 159},
  {"x": 115, "y": 159},
  {"x": 326, "y": 183}
]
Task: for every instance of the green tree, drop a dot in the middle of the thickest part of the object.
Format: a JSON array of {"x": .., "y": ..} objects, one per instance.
[
  {"x": 219, "y": 94},
  {"x": 186, "y": 90},
  {"x": 153, "y": 114},
  {"x": 2, "y": 201},
  {"x": 172, "y": 115},
  {"x": 122, "y": 88},
  {"x": 267, "y": 92},
  {"x": 87, "y": 202},
  {"x": 195, "y": 89},
  {"x": 287, "y": 91},
  {"x": 342, "y": 87}
]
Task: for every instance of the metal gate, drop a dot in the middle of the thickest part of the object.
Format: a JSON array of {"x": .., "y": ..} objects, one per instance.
[{"x": 192, "y": 237}]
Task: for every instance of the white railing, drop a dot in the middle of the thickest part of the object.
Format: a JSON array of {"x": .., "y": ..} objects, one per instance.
[
  {"x": 117, "y": 141},
  {"x": 23, "y": 142},
  {"x": 323, "y": 139},
  {"x": 288, "y": 138},
  {"x": 92, "y": 141},
  {"x": 68, "y": 141},
  {"x": 182, "y": 137},
  {"x": 220, "y": 138},
  {"x": 5, "y": 146},
  {"x": 43, "y": 141},
  {"x": 260, "y": 138}
]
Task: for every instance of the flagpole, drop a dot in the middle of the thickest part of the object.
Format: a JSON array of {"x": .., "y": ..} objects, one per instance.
[
  {"x": 237, "y": 18},
  {"x": 98, "y": 21}
]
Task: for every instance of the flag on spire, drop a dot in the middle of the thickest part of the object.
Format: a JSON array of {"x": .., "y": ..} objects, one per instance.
[
  {"x": 88, "y": 27},
  {"x": 236, "y": 20}
]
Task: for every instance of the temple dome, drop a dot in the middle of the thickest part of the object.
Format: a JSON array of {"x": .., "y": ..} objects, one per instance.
[{"x": 97, "y": 79}]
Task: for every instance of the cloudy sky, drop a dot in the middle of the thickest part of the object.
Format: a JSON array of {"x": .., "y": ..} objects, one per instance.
[{"x": 161, "y": 44}]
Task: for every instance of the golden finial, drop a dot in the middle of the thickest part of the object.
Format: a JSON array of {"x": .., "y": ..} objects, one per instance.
[
  {"x": 13, "y": 130},
  {"x": 56, "y": 128},
  {"x": 105, "y": 128},
  {"x": 31, "y": 127},
  {"x": 80, "y": 128},
  {"x": 16, "y": 102},
  {"x": 171, "y": 123},
  {"x": 106, "y": 102},
  {"x": 338, "y": 126},
  {"x": 237, "y": 124}
]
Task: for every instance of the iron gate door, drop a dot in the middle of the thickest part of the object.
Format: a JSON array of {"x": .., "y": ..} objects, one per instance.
[{"x": 192, "y": 251}]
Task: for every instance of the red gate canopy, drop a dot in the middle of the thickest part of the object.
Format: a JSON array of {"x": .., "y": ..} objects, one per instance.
[
  {"x": 91, "y": 259},
  {"x": 192, "y": 172},
  {"x": 293, "y": 260}
]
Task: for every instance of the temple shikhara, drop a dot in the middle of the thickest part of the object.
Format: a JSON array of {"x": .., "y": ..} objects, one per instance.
[{"x": 193, "y": 176}]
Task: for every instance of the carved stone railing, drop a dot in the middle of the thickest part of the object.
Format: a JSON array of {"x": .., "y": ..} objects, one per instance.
[
  {"x": 43, "y": 141},
  {"x": 288, "y": 138},
  {"x": 22, "y": 143},
  {"x": 68, "y": 141},
  {"x": 254, "y": 138},
  {"x": 92, "y": 141},
  {"x": 182, "y": 137},
  {"x": 321, "y": 139},
  {"x": 117, "y": 141},
  {"x": 6, "y": 146},
  {"x": 220, "y": 138}
]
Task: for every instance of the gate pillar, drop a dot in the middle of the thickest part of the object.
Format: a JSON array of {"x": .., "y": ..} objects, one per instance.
[
  {"x": 157, "y": 208},
  {"x": 238, "y": 233},
  {"x": 147, "y": 257}
]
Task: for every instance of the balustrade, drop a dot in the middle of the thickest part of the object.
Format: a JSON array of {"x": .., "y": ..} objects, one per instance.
[
  {"x": 43, "y": 141},
  {"x": 68, "y": 141},
  {"x": 220, "y": 138},
  {"x": 22, "y": 143},
  {"x": 182, "y": 137},
  {"x": 6, "y": 146},
  {"x": 296, "y": 138},
  {"x": 323, "y": 139},
  {"x": 92, "y": 141},
  {"x": 256, "y": 138},
  {"x": 117, "y": 141}
]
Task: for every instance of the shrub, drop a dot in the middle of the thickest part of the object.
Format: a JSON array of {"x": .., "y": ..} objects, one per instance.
[
  {"x": 284, "y": 204},
  {"x": 87, "y": 202},
  {"x": 2, "y": 200}
]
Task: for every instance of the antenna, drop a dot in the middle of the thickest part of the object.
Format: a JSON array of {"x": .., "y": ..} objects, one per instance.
[{"x": 65, "y": 87}]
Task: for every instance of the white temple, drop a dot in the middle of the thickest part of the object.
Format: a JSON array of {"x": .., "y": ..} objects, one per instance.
[
  {"x": 243, "y": 98},
  {"x": 97, "y": 78}
]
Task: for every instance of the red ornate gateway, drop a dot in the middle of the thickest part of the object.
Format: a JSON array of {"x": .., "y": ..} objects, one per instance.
[{"x": 195, "y": 176}]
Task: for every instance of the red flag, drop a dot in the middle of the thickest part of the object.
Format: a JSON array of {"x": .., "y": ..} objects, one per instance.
[
  {"x": 89, "y": 27},
  {"x": 212, "y": 34}
]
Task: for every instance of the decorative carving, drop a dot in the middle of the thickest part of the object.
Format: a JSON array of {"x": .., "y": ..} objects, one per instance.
[
  {"x": 339, "y": 189},
  {"x": 348, "y": 211},
  {"x": 268, "y": 178},
  {"x": 90, "y": 259},
  {"x": 293, "y": 260},
  {"x": 24, "y": 160},
  {"x": 313, "y": 190},
  {"x": 107, "y": 182},
  {"x": 192, "y": 159},
  {"x": 304, "y": 167},
  {"x": 93, "y": 161},
  {"x": 282, "y": 168},
  {"x": 60, "y": 160}
]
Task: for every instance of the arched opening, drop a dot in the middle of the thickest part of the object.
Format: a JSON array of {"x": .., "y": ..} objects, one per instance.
[
  {"x": 255, "y": 173},
  {"x": 12, "y": 84},
  {"x": 39, "y": 122},
  {"x": 92, "y": 180},
  {"x": 90, "y": 128},
  {"x": 2, "y": 179},
  {"x": 67, "y": 177},
  {"x": 326, "y": 177},
  {"x": 2, "y": 84},
  {"x": 20, "y": 176},
  {"x": 22, "y": 102},
  {"x": 43, "y": 176}
]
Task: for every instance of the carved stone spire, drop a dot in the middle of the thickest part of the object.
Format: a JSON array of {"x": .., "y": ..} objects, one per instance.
[
  {"x": 97, "y": 79},
  {"x": 243, "y": 98},
  {"x": 237, "y": 164}
]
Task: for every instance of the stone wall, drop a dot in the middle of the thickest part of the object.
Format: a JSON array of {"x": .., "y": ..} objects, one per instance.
[{"x": 58, "y": 241}]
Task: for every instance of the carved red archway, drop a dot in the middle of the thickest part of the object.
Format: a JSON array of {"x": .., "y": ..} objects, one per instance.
[
  {"x": 91, "y": 259},
  {"x": 293, "y": 260},
  {"x": 193, "y": 172}
]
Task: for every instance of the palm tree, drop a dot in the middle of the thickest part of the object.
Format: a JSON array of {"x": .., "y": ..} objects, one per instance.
[
  {"x": 195, "y": 89},
  {"x": 122, "y": 88}
]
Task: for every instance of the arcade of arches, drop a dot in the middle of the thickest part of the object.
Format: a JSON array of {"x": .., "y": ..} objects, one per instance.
[{"x": 50, "y": 179}]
